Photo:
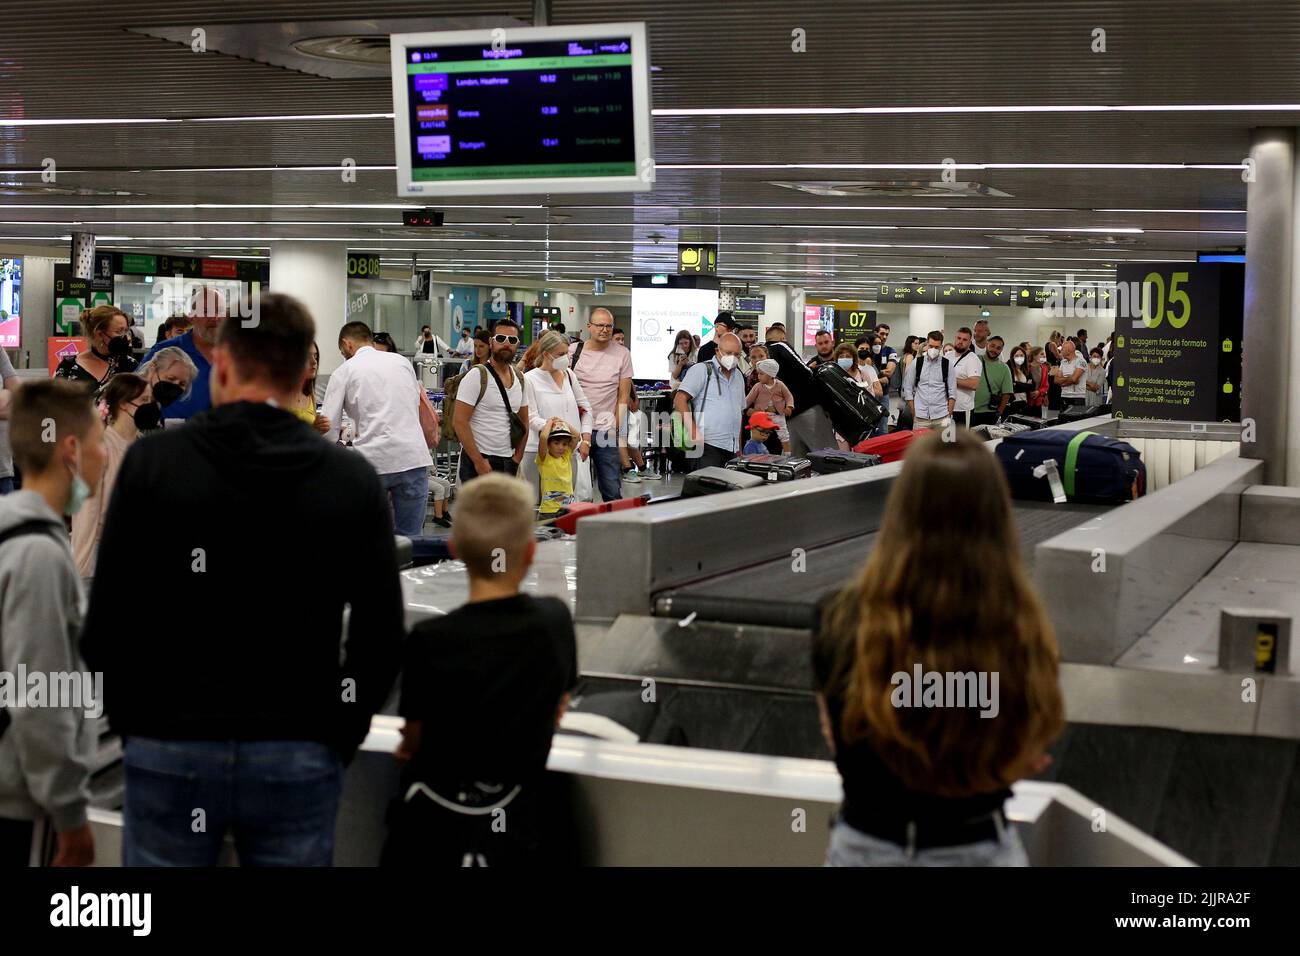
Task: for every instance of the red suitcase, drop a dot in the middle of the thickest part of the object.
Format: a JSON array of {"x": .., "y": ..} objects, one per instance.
[
  {"x": 889, "y": 447},
  {"x": 585, "y": 509}
]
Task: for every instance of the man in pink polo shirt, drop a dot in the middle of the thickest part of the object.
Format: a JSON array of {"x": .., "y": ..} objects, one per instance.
[{"x": 604, "y": 369}]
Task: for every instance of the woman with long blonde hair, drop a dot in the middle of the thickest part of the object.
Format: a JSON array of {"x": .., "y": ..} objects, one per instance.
[{"x": 936, "y": 671}]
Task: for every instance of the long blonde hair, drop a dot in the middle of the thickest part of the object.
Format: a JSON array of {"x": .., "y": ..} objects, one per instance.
[{"x": 945, "y": 588}]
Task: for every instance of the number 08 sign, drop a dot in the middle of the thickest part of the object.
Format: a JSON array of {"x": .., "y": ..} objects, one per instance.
[{"x": 1178, "y": 341}]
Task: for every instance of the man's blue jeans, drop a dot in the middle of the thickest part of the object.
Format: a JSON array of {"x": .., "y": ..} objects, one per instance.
[
  {"x": 409, "y": 493},
  {"x": 278, "y": 798},
  {"x": 608, "y": 465}
]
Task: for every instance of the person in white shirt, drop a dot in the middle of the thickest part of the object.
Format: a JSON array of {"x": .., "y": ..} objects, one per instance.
[
  {"x": 966, "y": 369},
  {"x": 1070, "y": 374},
  {"x": 552, "y": 392},
  {"x": 426, "y": 341},
  {"x": 490, "y": 396},
  {"x": 465, "y": 346},
  {"x": 981, "y": 337},
  {"x": 378, "y": 392}
]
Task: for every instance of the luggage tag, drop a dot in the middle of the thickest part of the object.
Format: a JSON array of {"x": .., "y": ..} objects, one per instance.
[{"x": 1049, "y": 471}]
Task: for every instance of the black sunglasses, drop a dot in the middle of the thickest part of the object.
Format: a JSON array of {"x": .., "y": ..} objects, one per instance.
[{"x": 512, "y": 339}]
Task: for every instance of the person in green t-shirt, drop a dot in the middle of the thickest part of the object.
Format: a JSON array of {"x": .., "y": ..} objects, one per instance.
[{"x": 994, "y": 390}]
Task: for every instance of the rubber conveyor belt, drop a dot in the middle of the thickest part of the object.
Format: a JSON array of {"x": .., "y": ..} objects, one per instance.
[{"x": 737, "y": 596}]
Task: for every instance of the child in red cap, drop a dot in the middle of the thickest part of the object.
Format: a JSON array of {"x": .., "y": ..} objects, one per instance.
[{"x": 761, "y": 427}]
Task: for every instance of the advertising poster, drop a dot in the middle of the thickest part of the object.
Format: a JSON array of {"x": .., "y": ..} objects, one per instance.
[
  {"x": 658, "y": 314},
  {"x": 11, "y": 303},
  {"x": 57, "y": 347},
  {"x": 463, "y": 305}
]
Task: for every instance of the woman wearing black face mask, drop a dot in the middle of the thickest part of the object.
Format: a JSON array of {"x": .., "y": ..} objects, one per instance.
[
  {"x": 120, "y": 403},
  {"x": 169, "y": 375},
  {"x": 105, "y": 328}
]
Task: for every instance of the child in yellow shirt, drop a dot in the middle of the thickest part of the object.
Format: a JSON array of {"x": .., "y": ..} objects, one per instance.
[{"x": 555, "y": 466}]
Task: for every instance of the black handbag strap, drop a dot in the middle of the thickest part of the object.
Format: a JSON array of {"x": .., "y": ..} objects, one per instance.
[{"x": 505, "y": 399}]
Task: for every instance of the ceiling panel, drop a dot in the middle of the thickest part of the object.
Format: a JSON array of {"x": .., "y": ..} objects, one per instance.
[{"x": 69, "y": 60}]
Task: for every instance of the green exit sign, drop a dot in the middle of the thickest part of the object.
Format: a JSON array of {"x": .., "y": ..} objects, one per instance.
[
  {"x": 363, "y": 266},
  {"x": 137, "y": 265}
]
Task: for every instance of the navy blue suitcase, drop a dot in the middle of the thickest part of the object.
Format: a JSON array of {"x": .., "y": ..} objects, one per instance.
[{"x": 1093, "y": 468}]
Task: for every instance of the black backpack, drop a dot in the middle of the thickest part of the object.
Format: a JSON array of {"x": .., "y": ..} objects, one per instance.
[
  {"x": 34, "y": 526},
  {"x": 916, "y": 376}
]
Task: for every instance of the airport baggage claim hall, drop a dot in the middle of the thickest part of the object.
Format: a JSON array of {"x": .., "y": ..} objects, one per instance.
[{"x": 574, "y": 434}]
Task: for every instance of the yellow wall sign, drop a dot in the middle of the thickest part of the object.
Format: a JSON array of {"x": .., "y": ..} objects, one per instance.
[{"x": 697, "y": 259}]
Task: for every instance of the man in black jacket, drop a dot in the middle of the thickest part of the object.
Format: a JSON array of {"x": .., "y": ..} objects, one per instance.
[
  {"x": 810, "y": 426},
  {"x": 237, "y": 708}
]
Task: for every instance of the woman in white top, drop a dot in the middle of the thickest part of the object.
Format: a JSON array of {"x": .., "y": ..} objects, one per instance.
[
  {"x": 122, "y": 397},
  {"x": 552, "y": 391}
]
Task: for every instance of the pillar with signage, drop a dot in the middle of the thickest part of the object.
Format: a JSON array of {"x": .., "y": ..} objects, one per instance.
[{"x": 1178, "y": 341}]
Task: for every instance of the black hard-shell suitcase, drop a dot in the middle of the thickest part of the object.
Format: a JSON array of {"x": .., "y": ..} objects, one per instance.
[
  {"x": 710, "y": 481},
  {"x": 772, "y": 467},
  {"x": 853, "y": 410},
  {"x": 829, "y": 461},
  {"x": 1074, "y": 413},
  {"x": 1028, "y": 421}
]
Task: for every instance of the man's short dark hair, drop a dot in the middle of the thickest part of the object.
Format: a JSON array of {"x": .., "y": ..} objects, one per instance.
[
  {"x": 935, "y": 336},
  {"x": 726, "y": 318},
  {"x": 558, "y": 327},
  {"x": 356, "y": 332},
  {"x": 620, "y": 332},
  {"x": 1082, "y": 334},
  {"x": 504, "y": 321},
  {"x": 997, "y": 338},
  {"x": 274, "y": 349},
  {"x": 821, "y": 332},
  {"x": 966, "y": 330},
  {"x": 38, "y": 404},
  {"x": 883, "y": 325}
]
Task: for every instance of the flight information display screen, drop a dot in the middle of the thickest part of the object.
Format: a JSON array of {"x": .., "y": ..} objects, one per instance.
[{"x": 528, "y": 110}]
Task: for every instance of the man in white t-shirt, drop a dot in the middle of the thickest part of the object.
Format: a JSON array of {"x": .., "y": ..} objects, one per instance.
[
  {"x": 1071, "y": 374},
  {"x": 482, "y": 419},
  {"x": 981, "y": 337},
  {"x": 967, "y": 370},
  {"x": 380, "y": 393}
]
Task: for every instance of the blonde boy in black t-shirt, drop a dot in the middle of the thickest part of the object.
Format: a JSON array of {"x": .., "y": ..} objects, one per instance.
[{"x": 483, "y": 690}]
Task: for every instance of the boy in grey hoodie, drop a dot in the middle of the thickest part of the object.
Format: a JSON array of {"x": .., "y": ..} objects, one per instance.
[{"x": 47, "y": 742}]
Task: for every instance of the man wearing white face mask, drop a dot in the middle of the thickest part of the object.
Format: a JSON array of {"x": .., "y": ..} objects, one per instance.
[
  {"x": 711, "y": 401},
  {"x": 930, "y": 386}
]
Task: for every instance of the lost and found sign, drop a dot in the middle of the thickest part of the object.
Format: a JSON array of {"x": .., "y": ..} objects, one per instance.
[{"x": 1178, "y": 341}]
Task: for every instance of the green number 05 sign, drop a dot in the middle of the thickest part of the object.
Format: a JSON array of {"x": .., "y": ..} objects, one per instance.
[{"x": 1158, "y": 303}]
